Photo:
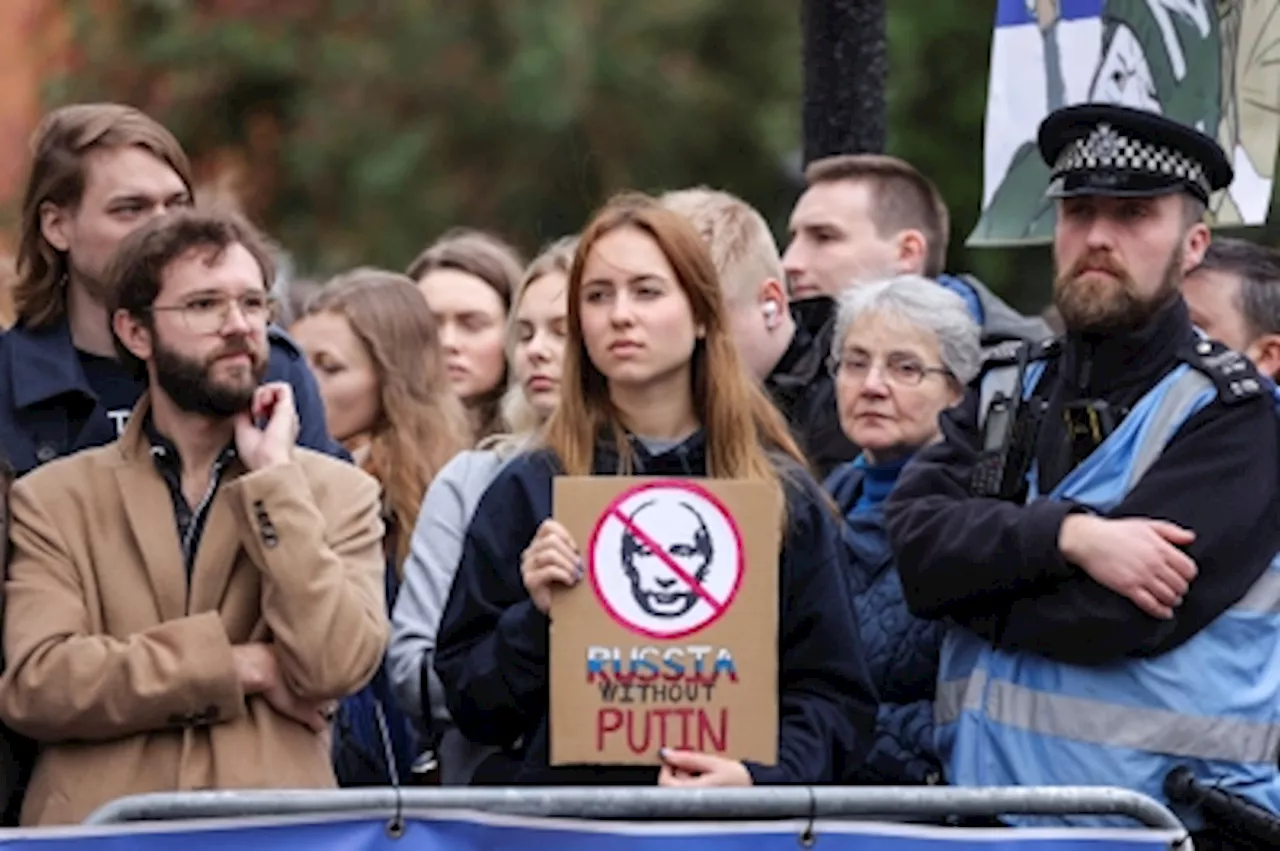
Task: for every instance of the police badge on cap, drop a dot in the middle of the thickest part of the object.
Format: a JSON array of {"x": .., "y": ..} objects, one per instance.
[{"x": 1104, "y": 149}]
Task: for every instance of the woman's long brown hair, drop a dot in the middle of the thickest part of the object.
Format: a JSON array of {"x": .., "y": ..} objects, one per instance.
[
  {"x": 421, "y": 424},
  {"x": 741, "y": 426}
]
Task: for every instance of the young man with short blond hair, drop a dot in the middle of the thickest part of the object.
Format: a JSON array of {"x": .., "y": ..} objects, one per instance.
[{"x": 785, "y": 344}]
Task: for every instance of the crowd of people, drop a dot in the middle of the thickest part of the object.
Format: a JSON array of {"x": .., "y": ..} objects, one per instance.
[{"x": 264, "y": 537}]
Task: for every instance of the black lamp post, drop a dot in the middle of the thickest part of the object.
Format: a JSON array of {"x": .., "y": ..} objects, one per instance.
[{"x": 845, "y": 65}]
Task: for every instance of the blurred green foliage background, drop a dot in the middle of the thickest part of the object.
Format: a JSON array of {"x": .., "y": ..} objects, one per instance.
[{"x": 356, "y": 131}]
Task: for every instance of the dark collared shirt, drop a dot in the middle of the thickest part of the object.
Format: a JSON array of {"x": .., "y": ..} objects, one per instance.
[{"x": 190, "y": 519}]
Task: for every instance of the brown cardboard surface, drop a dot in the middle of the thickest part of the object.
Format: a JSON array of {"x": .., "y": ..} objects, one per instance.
[{"x": 619, "y": 711}]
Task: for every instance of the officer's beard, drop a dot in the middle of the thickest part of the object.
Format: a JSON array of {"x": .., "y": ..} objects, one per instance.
[{"x": 1099, "y": 305}]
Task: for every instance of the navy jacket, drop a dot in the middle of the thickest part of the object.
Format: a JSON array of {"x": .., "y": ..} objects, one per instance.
[
  {"x": 360, "y": 748},
  {"x": 41, "y": 382},
  {"x": 492, "y": 646},
  {"x": 804, "y": 391},
  {"x": 902, "y": 650}
]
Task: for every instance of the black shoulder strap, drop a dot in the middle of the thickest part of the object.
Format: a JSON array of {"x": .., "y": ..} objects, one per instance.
[
  {"x": 1000, "y": 370},
  {"x": 1234, "y": 375}
]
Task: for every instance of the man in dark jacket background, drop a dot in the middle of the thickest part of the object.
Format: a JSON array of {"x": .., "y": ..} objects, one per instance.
[
  {"x": 1234, "y": 297},
  {"x": 867, "y": 217}
]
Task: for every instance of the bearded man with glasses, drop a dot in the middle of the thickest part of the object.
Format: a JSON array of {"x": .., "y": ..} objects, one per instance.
[{"x": 187, "y": 604}]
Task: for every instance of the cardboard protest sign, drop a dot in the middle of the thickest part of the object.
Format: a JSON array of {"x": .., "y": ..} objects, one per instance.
[{"x": 671, "y": 639}]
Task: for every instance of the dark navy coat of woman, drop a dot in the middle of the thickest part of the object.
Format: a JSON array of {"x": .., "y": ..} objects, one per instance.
[
  {"x": 493, "y": 642},
  {"x": 901, "y": 649}
]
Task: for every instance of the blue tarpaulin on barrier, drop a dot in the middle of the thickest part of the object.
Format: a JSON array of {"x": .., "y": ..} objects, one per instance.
[{"x": 467, "y": 832}]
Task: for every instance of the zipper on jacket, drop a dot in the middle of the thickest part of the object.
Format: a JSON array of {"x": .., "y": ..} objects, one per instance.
[{"x": 197, "y": 523}]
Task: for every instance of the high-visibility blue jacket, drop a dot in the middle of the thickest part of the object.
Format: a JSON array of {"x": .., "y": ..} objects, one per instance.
[{"x": 1212, "y": 704}]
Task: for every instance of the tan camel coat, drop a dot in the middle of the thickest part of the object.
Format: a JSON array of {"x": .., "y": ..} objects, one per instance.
[{"x": 124, "y": 672}]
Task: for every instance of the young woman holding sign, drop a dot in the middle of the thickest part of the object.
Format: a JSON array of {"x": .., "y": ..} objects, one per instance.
[{"x": 652, "y": 385}]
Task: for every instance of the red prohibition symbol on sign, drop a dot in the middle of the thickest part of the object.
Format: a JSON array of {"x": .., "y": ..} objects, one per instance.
[{"x": 666, "y": 559}]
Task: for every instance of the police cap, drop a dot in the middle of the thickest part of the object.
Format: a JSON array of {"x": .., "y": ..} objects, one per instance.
[{"x": 1106, "y": 149}]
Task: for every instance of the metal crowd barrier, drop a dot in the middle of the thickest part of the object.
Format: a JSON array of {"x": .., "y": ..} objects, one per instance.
[{"x": 648, "y": 803}]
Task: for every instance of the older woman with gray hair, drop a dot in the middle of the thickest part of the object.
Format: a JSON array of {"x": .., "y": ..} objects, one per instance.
[{"x": 903, "y": 351}]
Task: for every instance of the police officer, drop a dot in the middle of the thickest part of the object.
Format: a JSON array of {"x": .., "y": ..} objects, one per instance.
[
  {"x": 99, "y": 171},
  {"x": 1102, "y": 517}
]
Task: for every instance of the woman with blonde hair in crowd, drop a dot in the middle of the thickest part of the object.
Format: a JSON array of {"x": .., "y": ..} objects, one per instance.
[
  {"x": 535, "y": 346},
  {"x": 468, "y": 278},
  {"x": 653, "y": 386},
  {"x": 373, "y": 345}
]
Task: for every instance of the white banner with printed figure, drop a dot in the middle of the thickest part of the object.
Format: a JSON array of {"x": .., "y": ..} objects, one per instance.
[{"x": 1210, "y": 64}]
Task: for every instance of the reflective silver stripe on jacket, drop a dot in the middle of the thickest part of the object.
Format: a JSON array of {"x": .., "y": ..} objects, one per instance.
[
  {"x": 955, "y": 697},
  {"x": 1264, "y": 597},
  {"x": 1110, "y": 725},
  {"x": 1107, "y": 724}
]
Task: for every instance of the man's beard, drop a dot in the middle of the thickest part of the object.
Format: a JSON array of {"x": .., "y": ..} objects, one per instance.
[
  {"x": 1115, "y": 305},
  {"x": 188, "y": 384}
]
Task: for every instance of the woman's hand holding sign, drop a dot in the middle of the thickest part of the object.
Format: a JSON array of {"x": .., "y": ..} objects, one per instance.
[
  {"x": 551, "y": 557},
  {"x": 690, "y": 768}
]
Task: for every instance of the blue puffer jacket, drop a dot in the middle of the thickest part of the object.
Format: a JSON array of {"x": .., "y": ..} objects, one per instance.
[{"x": 901, "y": 650}]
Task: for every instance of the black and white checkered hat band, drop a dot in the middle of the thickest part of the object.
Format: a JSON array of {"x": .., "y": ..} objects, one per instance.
[{"x": 1104, "y": 148}]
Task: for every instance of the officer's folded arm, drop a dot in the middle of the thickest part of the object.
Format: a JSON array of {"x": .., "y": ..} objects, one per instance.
[
  {"x": 1220, "y": 477},
  {"x": 959, "y": 554}
]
